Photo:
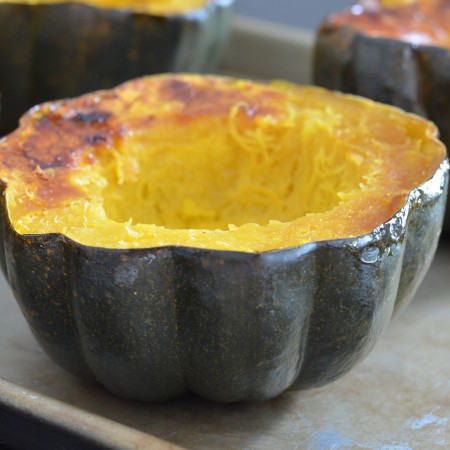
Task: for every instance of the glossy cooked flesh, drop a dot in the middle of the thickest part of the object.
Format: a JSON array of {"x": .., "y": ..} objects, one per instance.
[{"x": 213, "y": 162}]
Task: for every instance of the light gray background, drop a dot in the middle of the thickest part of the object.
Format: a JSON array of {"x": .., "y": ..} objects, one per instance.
[{"x": 297, "y": 13}]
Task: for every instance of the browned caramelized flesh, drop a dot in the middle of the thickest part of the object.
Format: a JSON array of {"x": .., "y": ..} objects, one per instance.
[{"x": 421, "y": 22}]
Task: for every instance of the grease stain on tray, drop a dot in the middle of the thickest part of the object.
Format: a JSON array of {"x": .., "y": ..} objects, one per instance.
[
  {"x": 332, "y": 440},
  {"x": 427, "y": 419},
  {"x": 335, "y": 441}
]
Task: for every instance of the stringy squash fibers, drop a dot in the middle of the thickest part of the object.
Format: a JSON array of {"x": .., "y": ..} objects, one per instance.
[
  {"x": 159, "y": 7},
  {"x": 213, "y": 162}
]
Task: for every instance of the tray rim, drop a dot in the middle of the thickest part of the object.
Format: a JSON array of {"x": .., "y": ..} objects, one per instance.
[{"x": 56, "y": 419}]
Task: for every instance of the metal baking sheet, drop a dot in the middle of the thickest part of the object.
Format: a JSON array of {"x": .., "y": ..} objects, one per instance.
[{"x": 397, "y": 399}]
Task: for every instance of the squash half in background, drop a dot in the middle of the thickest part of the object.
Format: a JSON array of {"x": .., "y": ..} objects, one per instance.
[
  {"x": 395, "y": 52},
  {"x": 54, "y": 49}
]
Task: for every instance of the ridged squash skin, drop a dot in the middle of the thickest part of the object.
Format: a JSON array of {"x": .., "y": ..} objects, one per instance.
[
  {"x": 152, "y": 323},
  {"x": 56, "y": 50},
  {"x": 364, "y": 57}
]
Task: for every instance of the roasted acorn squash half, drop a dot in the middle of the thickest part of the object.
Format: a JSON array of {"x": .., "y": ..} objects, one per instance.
[
  {"x": 217, "y": 235},
  {"x": 391, "y": 51},
  {"x": 51, "y": 49}
]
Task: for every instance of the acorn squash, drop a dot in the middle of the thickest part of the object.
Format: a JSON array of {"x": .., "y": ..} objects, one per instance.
[
  {"x": 51, "y": 49},
  {"x": 217, "y": 235},
  {"x": 391, "y": 51}
]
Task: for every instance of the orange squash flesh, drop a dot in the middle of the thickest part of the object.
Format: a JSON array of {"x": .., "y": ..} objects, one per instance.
[
  {"x": 213, "y": 162},
  {"x": 158, "y": 7}
]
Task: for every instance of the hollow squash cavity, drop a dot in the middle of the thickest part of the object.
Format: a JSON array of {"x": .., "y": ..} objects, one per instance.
[
  {"x": 213, "y": 162},
  {"x": 217, "y": 173}
]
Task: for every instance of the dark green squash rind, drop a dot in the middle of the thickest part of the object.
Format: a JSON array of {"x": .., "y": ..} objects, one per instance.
[
  {"x": 414, "y": 78},
  {"x": 36, "y": 270},
  {"x": 229, "y": 326},
  {"x": 52, "y": 51}
]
